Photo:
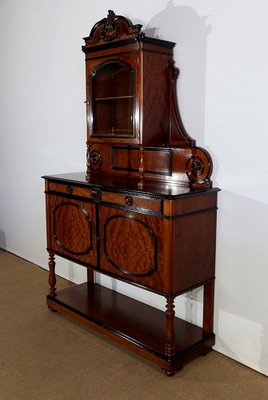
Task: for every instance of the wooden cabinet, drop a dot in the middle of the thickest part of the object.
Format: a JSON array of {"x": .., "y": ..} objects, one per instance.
[{"x": 144, "y": 212}]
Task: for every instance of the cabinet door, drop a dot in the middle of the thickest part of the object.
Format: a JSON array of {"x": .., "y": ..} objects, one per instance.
[
  {"x": 132, "y": 247},
  {"x": 112, "y": 100},
  {"x": 71, "y": 229}
]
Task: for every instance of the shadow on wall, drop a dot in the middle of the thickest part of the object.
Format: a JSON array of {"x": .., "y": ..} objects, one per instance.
[
  {"x": 241, "y": 320},
  {"x": 2, "y": 239},
  {"x": 183, "y": 25}
]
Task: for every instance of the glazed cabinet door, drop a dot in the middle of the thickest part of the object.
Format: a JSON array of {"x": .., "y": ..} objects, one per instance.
[
  {"x": 71, "y": 229},
  {"x": 112, "y": 98},
  {"x": 132, "y": 247}
]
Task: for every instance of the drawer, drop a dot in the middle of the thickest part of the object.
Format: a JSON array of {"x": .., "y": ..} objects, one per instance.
[
  {"x": 123, "y": 199},
  {"x": 89, "y": 193}
]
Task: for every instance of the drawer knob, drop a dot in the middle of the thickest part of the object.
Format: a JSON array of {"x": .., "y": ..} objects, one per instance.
[
  {"x": 129, "y": 200},
  {"x": 95, "y": 193},
  {"x": 69, "y": 189}
]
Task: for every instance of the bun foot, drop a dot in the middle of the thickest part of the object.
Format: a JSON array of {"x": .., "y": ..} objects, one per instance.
[
  {"x": 52, "y": 309},
  {"x": 170, "y": 372},
  {"x": 208, "y": 350}
]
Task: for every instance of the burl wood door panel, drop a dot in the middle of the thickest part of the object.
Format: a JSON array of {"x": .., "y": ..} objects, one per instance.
[
  {"x": 71, "y": 229},
  {"x": 132, "y": 247}
]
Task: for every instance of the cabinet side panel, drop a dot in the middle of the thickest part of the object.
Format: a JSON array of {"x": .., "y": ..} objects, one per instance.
[
  {"x": 194, "y": 238},
  {"x": 155, "y": 98},
  {"x": 48, "y": 229}
]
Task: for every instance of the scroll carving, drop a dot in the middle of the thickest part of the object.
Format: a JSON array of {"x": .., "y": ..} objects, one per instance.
[{"x": 198, "y": 168}]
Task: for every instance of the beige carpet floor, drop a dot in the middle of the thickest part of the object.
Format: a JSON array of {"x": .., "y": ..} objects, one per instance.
[{"x": 46, "y": 356}]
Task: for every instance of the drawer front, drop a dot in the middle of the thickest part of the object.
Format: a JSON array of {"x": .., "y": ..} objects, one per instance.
[
  {"x": 89, "y": 193},
  {"x": 123, "y": 199},
  {"x": 150, "y": 204}
]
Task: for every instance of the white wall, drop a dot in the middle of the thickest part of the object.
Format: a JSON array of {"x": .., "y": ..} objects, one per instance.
[{"x": 223, "y": 92}]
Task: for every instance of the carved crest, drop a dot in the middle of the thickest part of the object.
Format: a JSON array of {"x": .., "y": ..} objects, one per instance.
[
  {"x": 109, "y": 29},
  {"x": 113, "y": 27}
]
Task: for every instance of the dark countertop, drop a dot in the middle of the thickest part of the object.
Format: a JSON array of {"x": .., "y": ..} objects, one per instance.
[{"x": 105, "y": 182}]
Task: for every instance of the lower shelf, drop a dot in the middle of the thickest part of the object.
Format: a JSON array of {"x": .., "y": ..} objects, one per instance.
[{"x": 135, "y": 325}]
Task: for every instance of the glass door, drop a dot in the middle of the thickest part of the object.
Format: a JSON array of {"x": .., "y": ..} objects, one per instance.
[{"x": 112, "y": 100}]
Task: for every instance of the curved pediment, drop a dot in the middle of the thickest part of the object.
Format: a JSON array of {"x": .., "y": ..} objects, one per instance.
[{"x": 113, "y": 28}]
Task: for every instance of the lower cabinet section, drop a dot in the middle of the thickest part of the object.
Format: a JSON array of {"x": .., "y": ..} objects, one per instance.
[
  {"x": 168, "y": 250},
  {"x": 118, "y": 242}
]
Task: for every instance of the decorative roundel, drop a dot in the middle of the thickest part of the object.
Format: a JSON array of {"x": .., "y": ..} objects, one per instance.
[
  {"x": 95, "y": 160},
  {"x": 195, "y": 168}
]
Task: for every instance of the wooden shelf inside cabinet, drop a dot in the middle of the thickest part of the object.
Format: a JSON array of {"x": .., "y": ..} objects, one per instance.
[
  {"x": 131, "y": 323},
  {"x": 113, "y": 98}
]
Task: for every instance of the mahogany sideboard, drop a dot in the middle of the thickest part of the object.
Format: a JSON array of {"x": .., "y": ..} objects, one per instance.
[{"x": 144, "y": 212}]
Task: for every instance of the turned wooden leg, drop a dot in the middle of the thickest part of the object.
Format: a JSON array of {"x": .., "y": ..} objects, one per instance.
[
  {"x": 52, "y": 276},
  {"x": 170, "y": 333}
]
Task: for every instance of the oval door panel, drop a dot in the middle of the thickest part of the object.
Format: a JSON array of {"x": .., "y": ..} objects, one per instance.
[
  {"x": 72, "y": 228},
  {"x": 130, "y": 245}
]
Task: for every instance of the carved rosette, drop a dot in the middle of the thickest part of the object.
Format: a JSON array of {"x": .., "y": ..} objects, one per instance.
[
  {"x": 198, "y": 168},
  {"x": 194, "y": 168},
  {"x": 95, "y": 160}
]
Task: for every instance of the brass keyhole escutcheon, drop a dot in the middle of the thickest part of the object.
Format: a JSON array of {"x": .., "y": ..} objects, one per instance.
[
  {"x": 129, "y": 200},
  {"x": 69, "y": 189}
]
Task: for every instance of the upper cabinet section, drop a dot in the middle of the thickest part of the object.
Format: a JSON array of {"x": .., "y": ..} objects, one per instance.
[
  {"x": 134, "y": 128},
  {"x": 131, "y": 86}
]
